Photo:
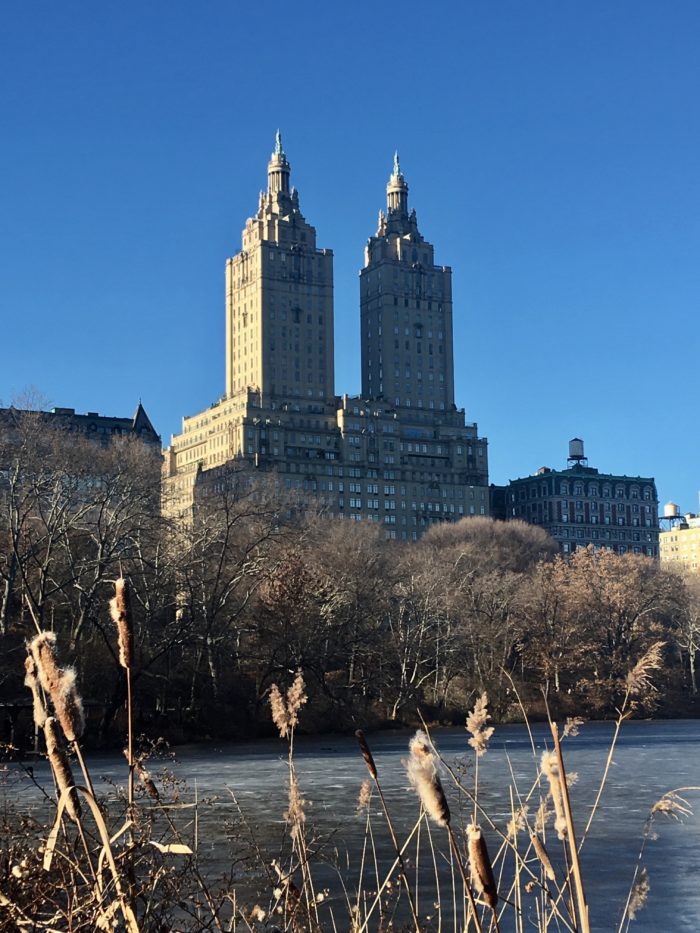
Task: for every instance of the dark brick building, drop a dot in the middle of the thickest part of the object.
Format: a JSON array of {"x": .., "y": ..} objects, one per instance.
[{"x": 580, "y": 506}]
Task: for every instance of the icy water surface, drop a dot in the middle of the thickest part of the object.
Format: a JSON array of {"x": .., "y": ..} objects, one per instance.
[{"x": 651, "y": 758}]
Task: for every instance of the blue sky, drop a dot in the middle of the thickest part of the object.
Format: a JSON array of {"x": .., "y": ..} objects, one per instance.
[{"x": 551, "y": 150}]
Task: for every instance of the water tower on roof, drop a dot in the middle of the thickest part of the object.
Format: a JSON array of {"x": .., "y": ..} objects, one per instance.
[
  {"x": 672, "y": 517},
  {"x": 576, "y": 454}
]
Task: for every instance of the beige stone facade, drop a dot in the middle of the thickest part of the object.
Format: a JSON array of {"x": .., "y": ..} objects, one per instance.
[
  {"x": 400, "y": 454},
  {"x": 679, "y": 547},
  {"x": 406, "y": 312},
  {"x": 279, "y": 300}
]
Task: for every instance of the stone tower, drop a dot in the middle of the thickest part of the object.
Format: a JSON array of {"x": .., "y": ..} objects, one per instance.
[
  {"x": 279, "y": 300},
  {"x": 406, "y": 312}
]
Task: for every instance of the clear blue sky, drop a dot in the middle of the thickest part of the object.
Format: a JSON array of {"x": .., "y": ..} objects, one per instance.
[{"x": 551, "y": 148}]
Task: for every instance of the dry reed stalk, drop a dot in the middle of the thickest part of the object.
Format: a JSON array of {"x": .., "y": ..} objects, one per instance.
[
  {"x": 120, "y": 610},
  {"x": 61, "y": 769},
  {"x": 372, "y": 768},
  {"x": 480, "y": 866},
  {"x": 571, "y": 834},
  {"x": 481, "y": 733},
  {"x": 59, "y": 684},
  {"x": 422, "y": 769}
]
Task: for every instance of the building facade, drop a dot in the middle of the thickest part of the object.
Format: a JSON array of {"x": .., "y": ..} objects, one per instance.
[
  {"x": 580, "y": 506},
  {"x": 400, "y": 454},
  {"x": 96, "y": 428},
  {"x": 679, "y": 545}
]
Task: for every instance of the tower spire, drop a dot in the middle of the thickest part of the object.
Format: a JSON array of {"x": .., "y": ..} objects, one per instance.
[
  {"x": 278, "y": 169},
  {"x": 397, "y": 190}
]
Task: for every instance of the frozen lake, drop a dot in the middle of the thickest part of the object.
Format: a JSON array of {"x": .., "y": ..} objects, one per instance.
[{"x": 651, "y": 759}]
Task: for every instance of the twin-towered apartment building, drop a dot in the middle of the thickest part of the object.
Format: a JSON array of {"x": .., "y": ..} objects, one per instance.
[{"x": 400, "y": 453}]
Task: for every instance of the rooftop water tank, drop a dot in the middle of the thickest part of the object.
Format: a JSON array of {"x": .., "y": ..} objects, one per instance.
[{"x": 576, "y": 449}]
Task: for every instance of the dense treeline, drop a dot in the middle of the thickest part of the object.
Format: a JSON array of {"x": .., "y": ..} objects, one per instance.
[{"x": 249, "y": 593}]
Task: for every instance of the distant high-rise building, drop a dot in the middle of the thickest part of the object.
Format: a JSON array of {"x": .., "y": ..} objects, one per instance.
[
  {"x": 399, "y": 454},
  {"x": 279, "y": 300},
  {"x": 406, "y": 312}
]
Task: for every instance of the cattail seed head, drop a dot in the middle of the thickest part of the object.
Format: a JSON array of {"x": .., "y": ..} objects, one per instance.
[
  {"x": 31, "y": 681},
  {"x": 543, "y": 856},
  {"x": 60, "y": 766},
  {"x": 120, "y": 610},
  {"x": 43, "y": 649},
  {"x": 366, "y": 754},
  {"x": 69, "y": 708},
  {"x": 480, "y": 866},
  {"x": 550, "y": 768},
  {"x": 422, "y": 768},
  {"x": 59, "y": 684}
]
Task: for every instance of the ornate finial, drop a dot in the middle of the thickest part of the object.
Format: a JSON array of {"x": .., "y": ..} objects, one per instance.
[
  {"x": 397, "y": 167},
  {"x": 278, "y": 144}
]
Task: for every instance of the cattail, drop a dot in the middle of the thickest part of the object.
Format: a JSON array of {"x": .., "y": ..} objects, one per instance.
[
  {"x": 31, "y": 681},
  {"x": 480, "y": 866},
  {"x": 60, "y": 686},
  {"x": 366, "y": 754},
  {"x": 543, "y": 856},
  {"x": 120, "y": 610},
  {"x": 69, "y": 709},
  {"x": 550, "y": 767},
  {"x": 476, "y": 724},
  {"x": 43, "y": 649},
  {"x": 423, "y": 775},
  {"x": 61, "y": 768}
]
